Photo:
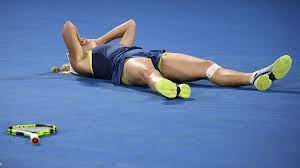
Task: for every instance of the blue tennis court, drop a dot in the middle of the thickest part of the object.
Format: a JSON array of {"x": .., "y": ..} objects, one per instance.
[{"x": 101, "y": 125}]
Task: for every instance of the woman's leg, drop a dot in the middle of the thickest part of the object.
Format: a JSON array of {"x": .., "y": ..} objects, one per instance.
[
  {"x": 140, "y": 71},
  {"x": 182, "y": 67}
]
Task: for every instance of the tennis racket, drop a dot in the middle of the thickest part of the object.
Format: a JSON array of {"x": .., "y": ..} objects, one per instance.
[{"x": 33, "y": 131}]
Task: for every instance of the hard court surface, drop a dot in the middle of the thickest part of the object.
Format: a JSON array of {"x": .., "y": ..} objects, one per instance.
[{"x": 101, "y": 125}]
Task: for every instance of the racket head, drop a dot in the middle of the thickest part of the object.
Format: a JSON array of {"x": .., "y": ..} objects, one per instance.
[{"x": 38, "y": 129}]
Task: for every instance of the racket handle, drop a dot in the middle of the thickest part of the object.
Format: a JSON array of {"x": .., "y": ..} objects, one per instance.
[{"x": 34, "y": 139}]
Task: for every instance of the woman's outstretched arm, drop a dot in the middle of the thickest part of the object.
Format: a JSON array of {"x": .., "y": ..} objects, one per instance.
[{"x": 126, "y": 31}]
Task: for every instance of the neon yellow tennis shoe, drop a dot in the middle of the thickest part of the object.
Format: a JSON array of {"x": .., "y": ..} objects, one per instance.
[
  {"x": 263, "y": 78},
  {"x": 170, "y": 89}
]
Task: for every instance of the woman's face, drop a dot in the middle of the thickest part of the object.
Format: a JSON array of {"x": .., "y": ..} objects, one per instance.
[
  {"x": 83, "y": 41},
  {"x": 87, "y": 44}
]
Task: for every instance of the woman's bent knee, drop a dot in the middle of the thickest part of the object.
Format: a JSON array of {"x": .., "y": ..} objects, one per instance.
[
  {"x": 138, "y": 70},
  {"x": 147, "y": 73}
]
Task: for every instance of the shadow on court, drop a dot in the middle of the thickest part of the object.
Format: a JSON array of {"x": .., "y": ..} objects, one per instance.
[{"x": 245, "y": 88}]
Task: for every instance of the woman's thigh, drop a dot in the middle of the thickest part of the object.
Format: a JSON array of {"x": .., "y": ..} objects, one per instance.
[
  {"x": 182, "y": 67},
  {"x": 134, "y": 70}
]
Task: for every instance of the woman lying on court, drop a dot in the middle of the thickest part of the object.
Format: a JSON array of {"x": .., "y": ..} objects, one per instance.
[{"x": 126, "y": 64}]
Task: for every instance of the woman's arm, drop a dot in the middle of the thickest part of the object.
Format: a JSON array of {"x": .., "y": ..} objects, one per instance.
[
  {"x": 70, "y": 36},
  {"x": 126, "y": 31}
]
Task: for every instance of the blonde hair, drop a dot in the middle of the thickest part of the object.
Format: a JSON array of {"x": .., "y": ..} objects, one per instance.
[{"x": 65, "y": 68}]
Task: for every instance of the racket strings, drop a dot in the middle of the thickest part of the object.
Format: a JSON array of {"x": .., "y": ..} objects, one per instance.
[{"x": 33, "y": 129}]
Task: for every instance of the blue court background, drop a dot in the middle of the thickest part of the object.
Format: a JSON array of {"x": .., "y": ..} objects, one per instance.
[{"x": 101, "y": 125}]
